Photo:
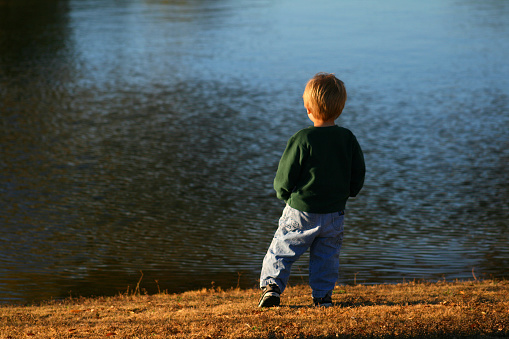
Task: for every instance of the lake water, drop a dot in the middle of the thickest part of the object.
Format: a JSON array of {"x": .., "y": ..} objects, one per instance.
[{"x": 144, "y": 135}]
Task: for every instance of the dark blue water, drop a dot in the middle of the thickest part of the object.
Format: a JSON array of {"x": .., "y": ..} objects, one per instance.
[{"x": 145, "y": 135}]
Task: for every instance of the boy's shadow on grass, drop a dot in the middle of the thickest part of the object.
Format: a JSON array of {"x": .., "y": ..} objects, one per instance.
[{"x": 368, "y": 303}]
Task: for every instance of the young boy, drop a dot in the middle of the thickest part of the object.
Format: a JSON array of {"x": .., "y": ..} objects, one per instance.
[{"x": 321, "y": 167}]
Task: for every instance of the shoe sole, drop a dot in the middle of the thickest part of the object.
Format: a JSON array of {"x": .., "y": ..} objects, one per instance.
[{"x": 269, "y": 301}]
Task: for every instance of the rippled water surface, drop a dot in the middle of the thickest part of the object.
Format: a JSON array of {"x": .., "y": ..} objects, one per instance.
[{"x": 143, "y": 136}]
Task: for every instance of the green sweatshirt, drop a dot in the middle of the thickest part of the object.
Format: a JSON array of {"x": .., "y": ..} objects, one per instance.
[{"x": 320, "y": 169}]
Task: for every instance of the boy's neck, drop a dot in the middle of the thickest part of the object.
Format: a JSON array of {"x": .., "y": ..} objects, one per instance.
[
  {"x": 319, "y": 122},
  {"x": 327, "y": 123}
]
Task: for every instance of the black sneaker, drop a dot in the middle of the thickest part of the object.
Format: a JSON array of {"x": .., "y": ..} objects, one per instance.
[
  {"x": 323, "y": 302},
  {"x": 270, "y": 296}
]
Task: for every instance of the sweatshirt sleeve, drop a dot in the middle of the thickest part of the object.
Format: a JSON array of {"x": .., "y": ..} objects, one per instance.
[
  {"x": 358, "y": 169},
  {"x": 288, "y": 170}
]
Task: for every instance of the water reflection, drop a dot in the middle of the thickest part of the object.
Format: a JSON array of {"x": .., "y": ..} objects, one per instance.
[
  {"x": 144, "y": 135},
  {"x": 32, "y": 32}
]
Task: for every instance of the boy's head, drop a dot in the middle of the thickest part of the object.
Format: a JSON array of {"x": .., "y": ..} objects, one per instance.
[{"x": 325, "y": 96}]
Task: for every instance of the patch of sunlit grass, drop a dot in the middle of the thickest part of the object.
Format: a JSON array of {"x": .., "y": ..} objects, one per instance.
[{"x": 425, "y": 310}]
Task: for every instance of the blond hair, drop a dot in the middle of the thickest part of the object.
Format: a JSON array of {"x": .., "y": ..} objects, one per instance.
[{"x": 325, "y": 96}]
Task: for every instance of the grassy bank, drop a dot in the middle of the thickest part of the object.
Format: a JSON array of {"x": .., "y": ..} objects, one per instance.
[{"x": 424, "y": 310}]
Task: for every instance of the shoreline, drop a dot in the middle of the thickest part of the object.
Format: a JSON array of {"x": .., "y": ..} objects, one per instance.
[{"x": 466, "y": 309}]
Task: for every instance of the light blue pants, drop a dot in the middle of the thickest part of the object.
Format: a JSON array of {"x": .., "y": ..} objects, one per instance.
[{"x": 298, "y": 231}]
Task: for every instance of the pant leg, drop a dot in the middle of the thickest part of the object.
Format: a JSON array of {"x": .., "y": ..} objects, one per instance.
[
  {"x": 324, "y": 255},
  {"x": 293, "y": 237}
]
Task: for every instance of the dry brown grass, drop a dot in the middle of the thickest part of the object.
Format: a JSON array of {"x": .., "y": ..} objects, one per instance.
[{"x": 409, "y": 310}]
